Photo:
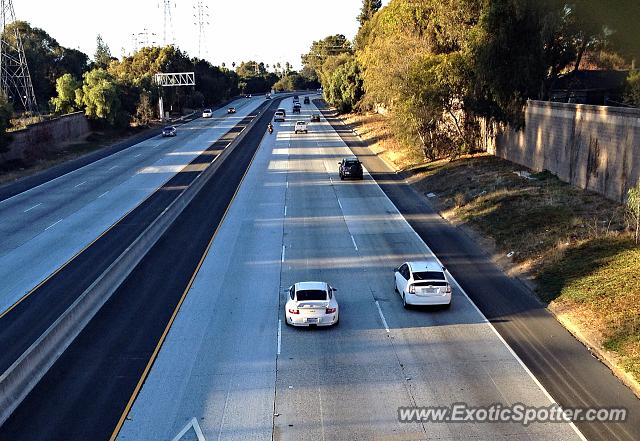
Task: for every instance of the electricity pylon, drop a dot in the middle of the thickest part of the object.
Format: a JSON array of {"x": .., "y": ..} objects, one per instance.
[
  {"x": 168, "y": 36},
  {"x": 201, "y": 20},
  {"x": 15, "y": 80}
]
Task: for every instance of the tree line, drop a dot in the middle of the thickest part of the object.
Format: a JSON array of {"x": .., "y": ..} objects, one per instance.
[
  {"x": 119, "y": 92},
  {"x": 440, "y": 65}
]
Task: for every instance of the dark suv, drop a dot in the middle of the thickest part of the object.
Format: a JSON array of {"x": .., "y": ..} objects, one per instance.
[
  {"x": 306, "y": 100},
  {"x": 350, "y": 168}
]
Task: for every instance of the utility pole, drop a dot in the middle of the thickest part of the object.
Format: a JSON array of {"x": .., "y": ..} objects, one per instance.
[
  {"x": 15, "y": 80},
  {"x": 201, "y": 20},
  {"x": 168, "y": 24}
]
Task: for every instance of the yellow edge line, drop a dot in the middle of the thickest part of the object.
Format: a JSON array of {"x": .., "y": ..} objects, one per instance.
[{"x": 163, "y": 337}]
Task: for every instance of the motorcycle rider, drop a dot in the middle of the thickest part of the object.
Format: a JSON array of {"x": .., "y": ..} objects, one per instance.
[{"x": 270, "y": 128}]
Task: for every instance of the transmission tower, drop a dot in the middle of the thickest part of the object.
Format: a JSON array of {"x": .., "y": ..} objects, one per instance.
[
  {"x": 15, "y": 80},
  {"x": 168, "y": 37},
  {"x": 201, "y": 20}
]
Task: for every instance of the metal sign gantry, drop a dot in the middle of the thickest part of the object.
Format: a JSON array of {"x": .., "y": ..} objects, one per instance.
[{"x": 176, "y": 79}]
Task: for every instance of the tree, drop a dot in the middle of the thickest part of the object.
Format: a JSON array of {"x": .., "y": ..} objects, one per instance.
[
  {"x": 632, "y": 93},
  {"x": 145, "y": 111},
  {"x": 66, "y": 87},
  {"x": 102, "y": 57},
  {"x": 6, "y": 111},
  {"x": 46, "y": 58},
  {"x": 100, "y": 95},
  {"x": 369, "y": 8},
  {"x": 332, "y": 45}
]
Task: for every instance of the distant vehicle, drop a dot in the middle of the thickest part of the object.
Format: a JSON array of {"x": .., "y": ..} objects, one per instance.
[
  {"x": 311, "y": 304},
  {"x": 315, "y": 117},
  {"x": 350, "y": 167},
  {"x": 295, "y": 97},
  {"x": 422, "y": 283},
  {"x": 248, "y": 95},
  {"x": 300, "y": 127},
  {"x": 207, "y": 113},
  {"x": 284, "y": 112},
  {"x": 306, "y": 100},
  {"x": 267, "y": 96},
  {"x": 296, "y": 108},
  {"x": 231, "y": 110},
  {"x": 169, "y": 131},
  {"x": 279, "y": 116}
]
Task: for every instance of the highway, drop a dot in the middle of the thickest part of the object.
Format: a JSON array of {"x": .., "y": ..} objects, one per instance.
[
  {"x": 193, "y": 345},
  {"x": 45, "y": 226},
  {"x": 229, "y": 363}
]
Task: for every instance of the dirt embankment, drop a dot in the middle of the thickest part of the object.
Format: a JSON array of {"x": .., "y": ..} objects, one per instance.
[{"x": 572, "y": 247}]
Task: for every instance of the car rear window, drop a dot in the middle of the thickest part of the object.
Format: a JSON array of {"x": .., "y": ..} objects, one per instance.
[
  {"x": 352, "y": 163},
  {"x": 279, "y": 113},
  {"x": 428, "y": 275},
  {"x": 430, "y": 284},
  {"x": 311, "y": 294}
]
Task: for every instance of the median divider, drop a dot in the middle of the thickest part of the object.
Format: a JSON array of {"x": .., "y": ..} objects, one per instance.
[{"x": 23, "y": 375}]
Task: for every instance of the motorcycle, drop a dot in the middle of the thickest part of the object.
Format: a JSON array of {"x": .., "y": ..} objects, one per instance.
[{"x": 270, "y": 129}]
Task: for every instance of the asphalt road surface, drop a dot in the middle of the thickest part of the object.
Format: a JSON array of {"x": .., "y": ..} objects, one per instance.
[
  {"x": 84, "y": 393},
  {"x": 46, "y": 225},
  {"x": 230, "y": 364}
]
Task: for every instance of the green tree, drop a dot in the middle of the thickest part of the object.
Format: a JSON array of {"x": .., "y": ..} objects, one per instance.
[
  {"x": 6, "y": 111},
  {"x": 320, "y": 50},
  {"x": 46, "y": 58},
  {"x": 369, "y": 8},
  {"x": 100, "y": 95},
  {"x": 632, "y": 92},
  {"x": 65, "y": 101},
  {"x": 102, "y": 57}
]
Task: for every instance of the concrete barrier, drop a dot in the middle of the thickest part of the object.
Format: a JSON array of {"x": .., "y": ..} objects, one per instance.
[{"x": 22, "y": 376}]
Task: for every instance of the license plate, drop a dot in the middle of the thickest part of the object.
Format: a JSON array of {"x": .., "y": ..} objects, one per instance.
[{"x": 312, "y": 320}]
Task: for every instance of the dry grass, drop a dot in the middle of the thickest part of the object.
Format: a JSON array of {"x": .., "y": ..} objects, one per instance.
[
  {"x": 374, "y": 129},
  {"x": 573, "y": 244}
]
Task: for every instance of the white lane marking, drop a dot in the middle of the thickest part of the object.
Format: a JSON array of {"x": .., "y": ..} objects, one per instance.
[
  {"x": 287, "y": 184},
  {"x": 29, "y": 209},
  {"x": 384, "y": 322},
  {"x": 140, "y": 154},
  {"x": 53, "y": 224},
  {"x": 279, "y": 335},
  {"x": 283, "y": 251},
  {"x": 339, "y": 203},
  {"x": 354, "y": 242},
  {"x": 285, "y": 211},
  {"x": 80, "y": 184},
  {"x": 196, "y": 428},
  {"x": 483, "y": 317},
  {"x": 112, "y": 168},
  {"x": 103, "y": 194}
]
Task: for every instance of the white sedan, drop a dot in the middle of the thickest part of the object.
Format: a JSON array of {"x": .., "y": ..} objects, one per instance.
[
  {"x": 422, "y": 283},
  {"x": 311, "y": 304},
  {"x": 207, "y": 113}
]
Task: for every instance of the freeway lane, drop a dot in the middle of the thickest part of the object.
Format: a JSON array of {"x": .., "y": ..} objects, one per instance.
[
  {"x": 30, "y": 318},
  {"x": 64, "y": 215},
  {"x": 84, "y": 393},
  {"x": 562, "y": 364},
  {"x": 231, "y": 365}
]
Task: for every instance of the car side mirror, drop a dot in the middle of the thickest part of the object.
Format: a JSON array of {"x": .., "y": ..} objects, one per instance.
[{"x": 334, "y": 289}]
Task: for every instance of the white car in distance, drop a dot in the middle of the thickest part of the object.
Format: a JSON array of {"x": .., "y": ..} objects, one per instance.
[
  {"x": 301, "y": 127},
  {"x": 311, "y": 304},
  {"x": 422, "y": 283},
  {"x": 207, "y": 113}
]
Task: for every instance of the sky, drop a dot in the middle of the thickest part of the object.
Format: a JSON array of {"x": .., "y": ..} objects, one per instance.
[{"x": 238, "y": 30}]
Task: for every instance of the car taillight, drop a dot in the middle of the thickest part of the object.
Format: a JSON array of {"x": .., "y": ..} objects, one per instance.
[
  {"x": 412, "y": 289},
  {"x": 448, "y": 289},
  {"x": 294, "y": 311},
  {"x": 330, "y": 310}
]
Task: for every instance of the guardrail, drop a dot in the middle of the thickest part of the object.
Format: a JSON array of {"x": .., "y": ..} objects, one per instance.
[{"x": 23, "y": 375}]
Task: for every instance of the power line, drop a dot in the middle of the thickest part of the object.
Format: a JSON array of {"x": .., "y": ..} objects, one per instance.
[
  {"x": 168, "y": 34},
  {"x": 15, "y": 80}
]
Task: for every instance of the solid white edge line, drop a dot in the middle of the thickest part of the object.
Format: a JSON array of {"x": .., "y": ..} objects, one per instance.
[
  {"x": 384, "y": 322},
  {"x": 495, "y": 331},
  {"x": 103, "y": 194},
  {"x": 80, "y": 184},
  {"x": 29, "y": 209},
  {"x": 354, "y": 242},
  {"x": 279, "y": 335}
]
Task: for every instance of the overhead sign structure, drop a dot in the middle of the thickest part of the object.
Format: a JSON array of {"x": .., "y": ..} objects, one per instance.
[{"x": 176, "y": 79}]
